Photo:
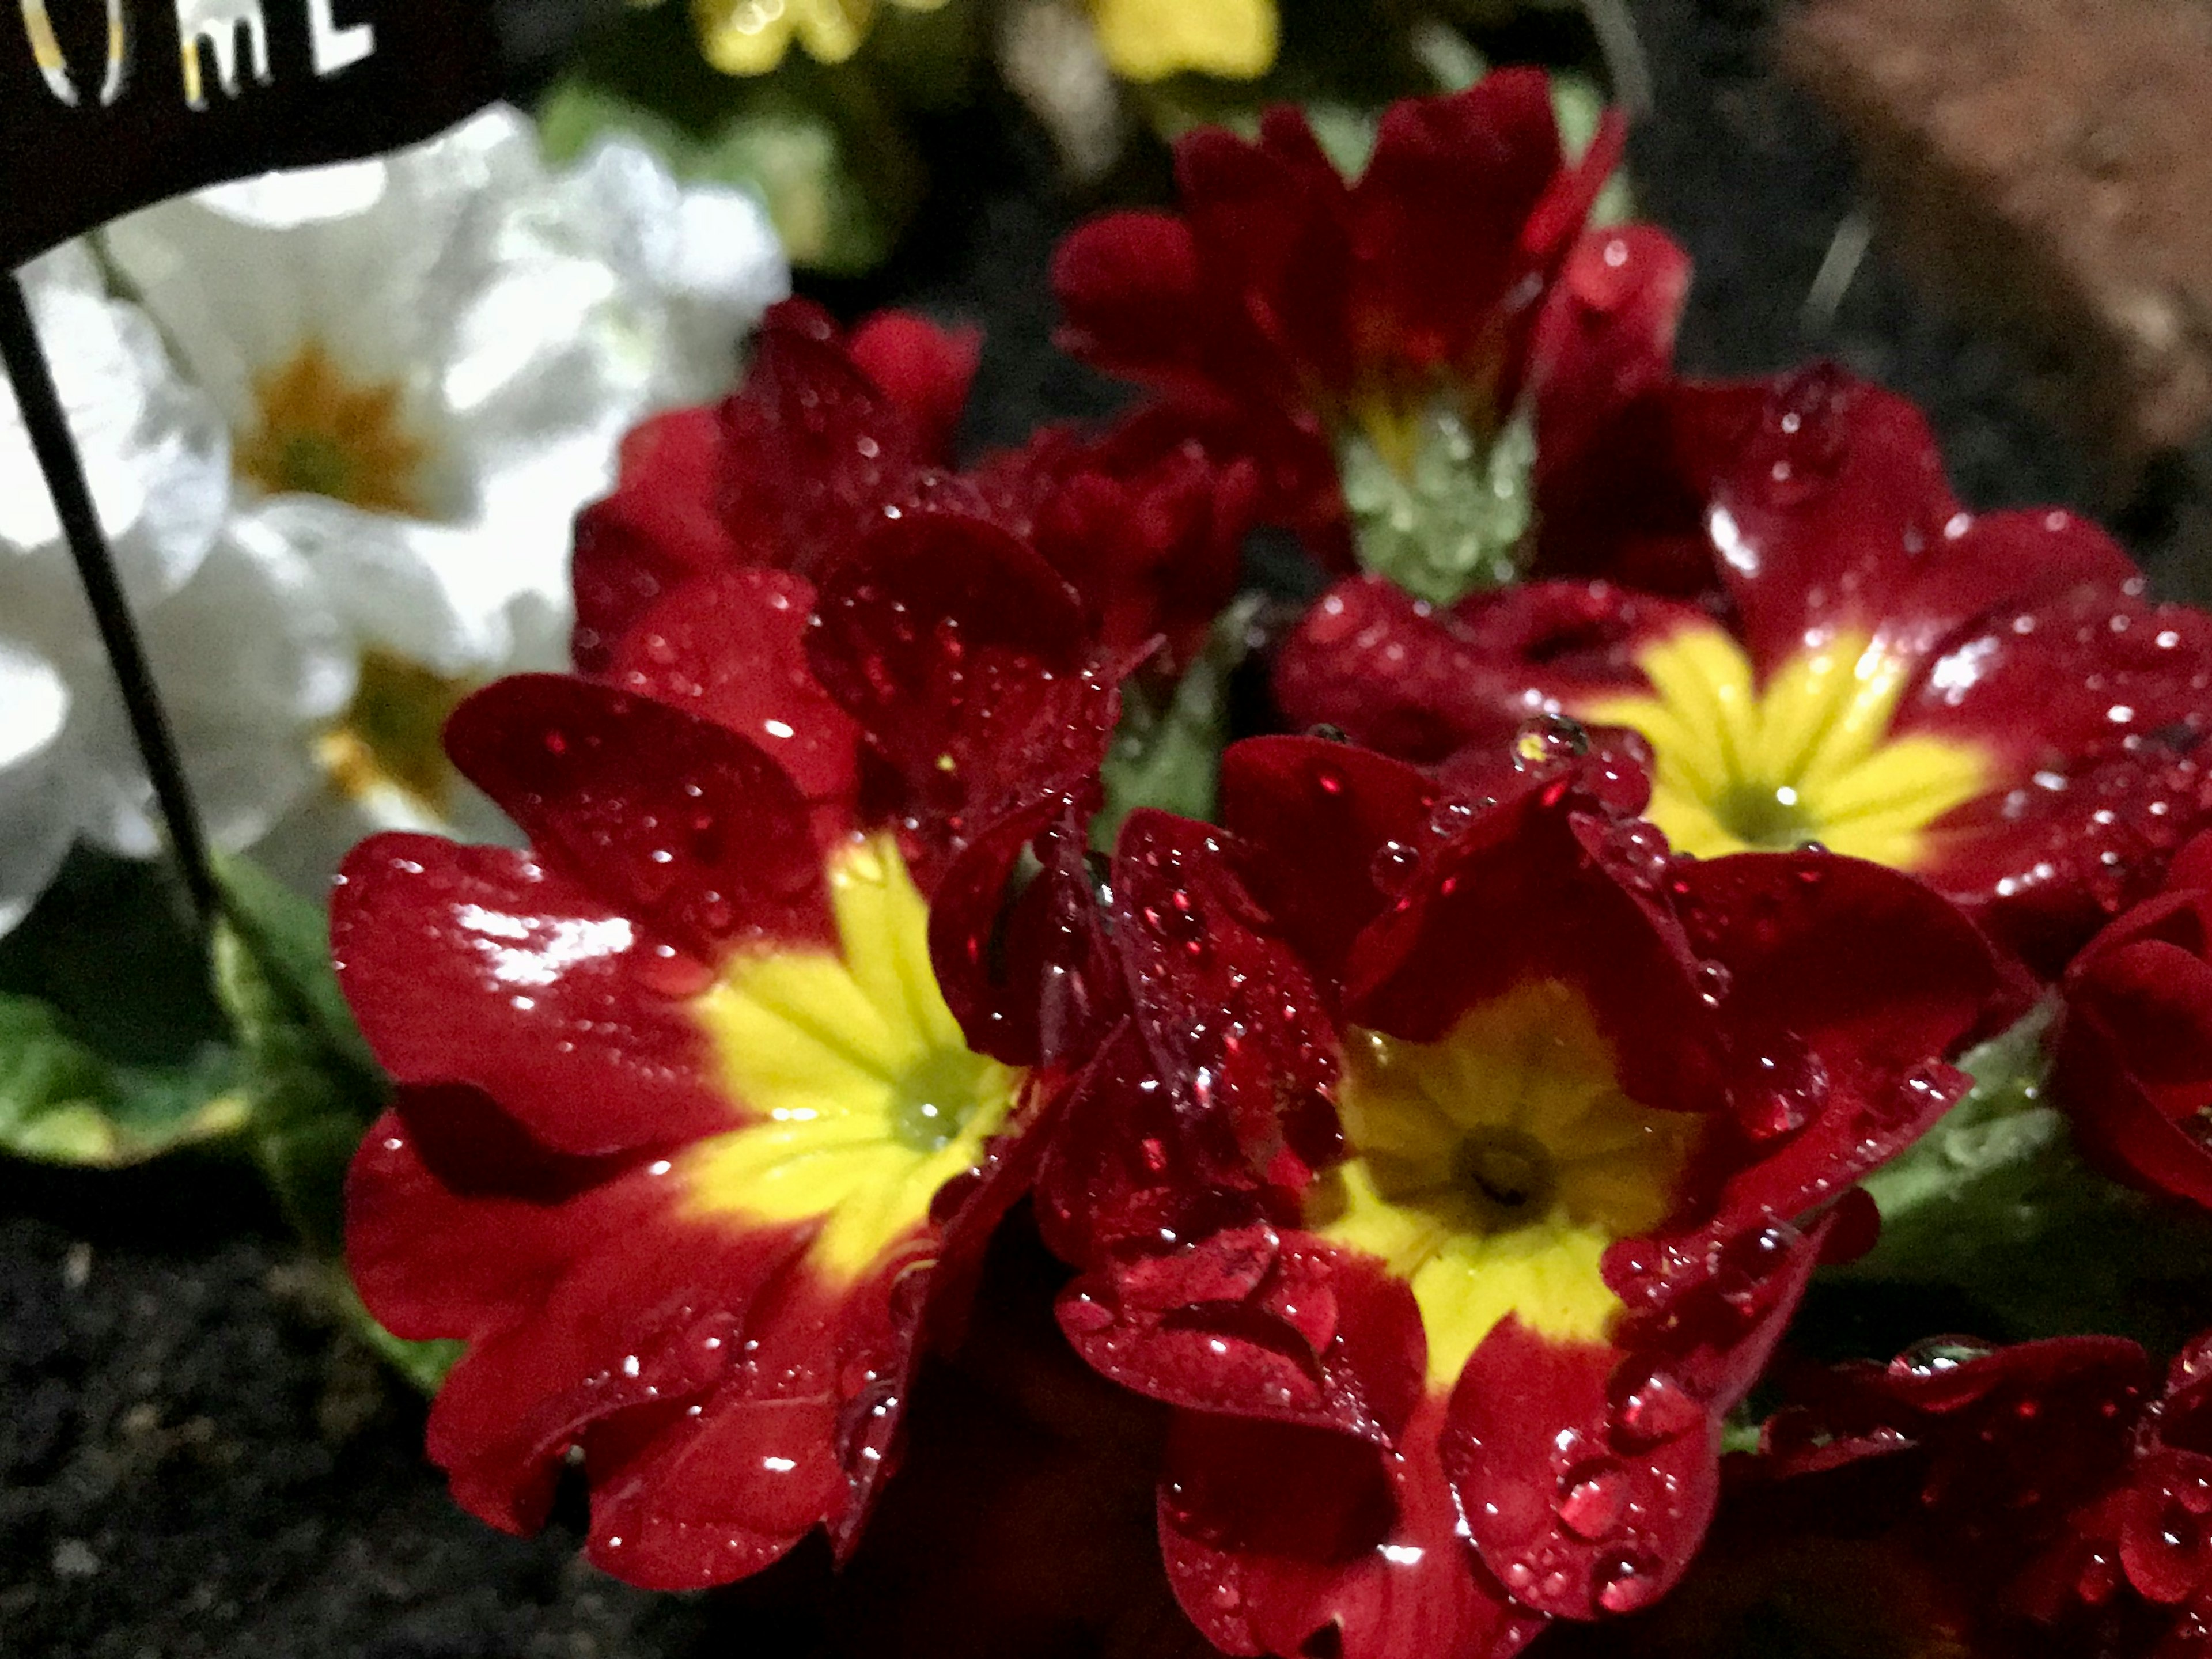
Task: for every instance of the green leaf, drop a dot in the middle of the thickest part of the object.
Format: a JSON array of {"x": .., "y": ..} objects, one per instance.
[
  {"x": 312, "y": 1086},
  {"x": 112, "y": 1048},
  {"x": 1440, "y": 513},
  {"x": 1166, "y": 752},
  {"x": 63, "y": 1102},
  {"x": 817, "y": 144},
  {"x": 1995, "y": 1202}
]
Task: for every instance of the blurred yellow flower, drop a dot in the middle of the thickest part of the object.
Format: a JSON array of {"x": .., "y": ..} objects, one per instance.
[
  {"x": 1152, "y": 39},
  {"x": 749, "y": 37}
]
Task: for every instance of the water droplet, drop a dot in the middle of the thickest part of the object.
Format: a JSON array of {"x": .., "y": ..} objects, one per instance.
[
  {"x": 1650, "y": 1408},
  {"x": 1450, "y": 818},
  {"x": 1784, "y": 1089},
  {"x": 1592, "y": 1497},
  {"x": 1548, "y": 740},
  {"x": 1713, "y": 980},
  {"x": 1392, "y": 867},
  {"x": 1932, "y": 1356},
  {"x": 1626, "y": 1582}
]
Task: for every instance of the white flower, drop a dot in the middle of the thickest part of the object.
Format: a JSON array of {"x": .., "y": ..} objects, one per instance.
[
  {"x": 426, "y": 363},
  {"x": 158, "y": 463}
]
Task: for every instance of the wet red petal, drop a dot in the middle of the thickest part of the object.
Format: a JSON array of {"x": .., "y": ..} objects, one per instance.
[
  {"x": 677, "y": 822},
  {"x": 1288, "y": 1540},
  {"x": 923, "y": 368},
  {"x": 964, "y": 659},
  {"x": 660, "y": 526},
  {"x": 731, "y": 647},
  {"x": 473, "y": 965}
]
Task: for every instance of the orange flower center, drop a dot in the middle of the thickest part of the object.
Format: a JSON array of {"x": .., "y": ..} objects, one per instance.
[{"x": 321, "y": 434}]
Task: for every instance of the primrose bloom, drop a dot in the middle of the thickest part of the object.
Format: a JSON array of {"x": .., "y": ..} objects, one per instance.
[
  {"x": 689, "y": 1145},
  {"x": 1456, "y": 1171},
  {"x": 1905, "y": 1508},
  {"x": 830, "y": 433},
  {"x": 1383, "y": 324},
  {"x": 249, "y": 673},
  {"x": 425, "y": 362},
  {"x": 1990, "y": 703},
  {"x": 751, "y": 37},
  {"x": 2063, "y": 1486},
  {"x": 2134, "y": 1061},
  {"x": 1152, "y": 40}
]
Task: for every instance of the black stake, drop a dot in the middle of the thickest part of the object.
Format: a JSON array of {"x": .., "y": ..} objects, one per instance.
[{"x": 48, "y": 425}]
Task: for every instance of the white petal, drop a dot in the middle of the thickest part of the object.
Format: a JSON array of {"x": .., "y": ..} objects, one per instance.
[
  {"x": 154, "y": 449},
  {"x": 251, "y": 667},
  {"x": 38, "y": 815}
]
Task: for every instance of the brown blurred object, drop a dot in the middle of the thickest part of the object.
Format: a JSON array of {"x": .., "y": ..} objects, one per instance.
[{"x": 2048, "y": 164}]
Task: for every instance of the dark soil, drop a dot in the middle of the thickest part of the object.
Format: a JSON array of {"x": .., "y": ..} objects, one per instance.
[{"x": 193, "y": 1462}]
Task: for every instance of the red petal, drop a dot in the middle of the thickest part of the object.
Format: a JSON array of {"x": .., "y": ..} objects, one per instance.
[
  {"x": 1588, "y": 1472},
  {"x": 1848, "y": 985},
  {"x": 1317, "y": 816},
  {"x": 815, "y": 450},
  {"x": 660, "y": 526},
  {"x": 1532, "y": 889},
  {"x": 1129, "y": 289},
  {"x": 448, "y": 1166},
  {"x": 676, "y": 823},
  {"x": 1288, "y": 1540},
  {"x": 473, "y": 965},
  {"x": 731, "y": 647},
  {"x": 923, "y": 368},
  {"x": 1029, "y": 978},
  {"x": 1440, "y": 216},
  {"x": 964, "y": 658}
]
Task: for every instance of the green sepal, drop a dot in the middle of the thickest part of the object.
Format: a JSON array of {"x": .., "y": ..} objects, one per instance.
[
  {"x": 424, "y": 1364},
  {"x": 1166, "y": 751},
  {"x": 1449, "y": 515},
  {"x": 817, "y": 144},
  {"x": 1996, "y": 1203}
]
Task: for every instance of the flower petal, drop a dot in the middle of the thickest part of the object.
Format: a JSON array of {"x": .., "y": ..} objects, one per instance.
[
  {"x": 989, "y": 703},
  {"x": 677, "y": 822},
  {"x": 731, "y": 647},
  {"x": 1281, "y": 1540},
  {"x": 476, "y": 966}
]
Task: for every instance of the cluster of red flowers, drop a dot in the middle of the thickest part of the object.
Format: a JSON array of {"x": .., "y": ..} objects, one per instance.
[{"x": 1447, "y": 1134}]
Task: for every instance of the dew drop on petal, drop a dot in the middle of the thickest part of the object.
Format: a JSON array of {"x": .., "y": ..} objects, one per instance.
[
  {"x": 1934, "y": 1355},
  {"x": 1392, "y": 867},
  {"x": 1592, "y": 1497},
  {"x": 1548, "y": 740},
  {"x": 1625, "y": 1581},
  {"x": 1651, "y": 1407}
]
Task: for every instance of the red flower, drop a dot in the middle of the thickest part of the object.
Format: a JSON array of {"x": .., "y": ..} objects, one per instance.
[
  {"x": 1285, "y": 308},
  {"x": 1990, "y": 703},
  {"x": 1893, "y": 1506},
  {"x": 793, "y": 472},
  {"x": 2134, "y": 1053},
  {"x": 2069, "y": 1497},
  {"x": 1453, "y": 1358},
  {"x": 689, "y": 1146}
]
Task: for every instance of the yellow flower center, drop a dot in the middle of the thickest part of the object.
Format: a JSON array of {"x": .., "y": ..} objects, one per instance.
[
  {"x": 864, "y": 1096},
  {"x": 1492, "y": 1168},
  {"x": 1808, "y": 758},
  {"x": 321, "y": 434},
  {"x": 389, "y": 740},
  {"x": 1152, "y": 39}
]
